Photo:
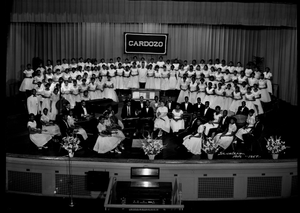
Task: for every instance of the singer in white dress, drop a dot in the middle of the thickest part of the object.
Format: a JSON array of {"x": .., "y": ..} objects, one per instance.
[
  {"x": 225, "y": 138},
  {"x": 193, "y": 143},
  {"x": 177, "y": 122},
  {"x": 162, "y": 120}
]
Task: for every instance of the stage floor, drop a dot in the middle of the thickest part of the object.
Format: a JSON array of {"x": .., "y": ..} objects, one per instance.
[{"x": 277, "y": 122}]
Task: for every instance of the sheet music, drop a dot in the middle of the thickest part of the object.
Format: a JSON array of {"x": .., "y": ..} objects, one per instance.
[
  {"x": 135, "y": 95},
  {"x": 151, "y": 95}
]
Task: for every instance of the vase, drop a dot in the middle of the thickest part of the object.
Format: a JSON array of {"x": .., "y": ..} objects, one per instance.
[
  {"x": 151, "y": 157},
  {"x": 210, "y": 156},
  {"x": 275, "y": 156},
  {"x": 71, "y": 154}
]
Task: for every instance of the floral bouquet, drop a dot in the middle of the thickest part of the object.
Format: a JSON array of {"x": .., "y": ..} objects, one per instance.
[
  {"x": 275, "y": 145},
  {"x": 209, "y": 146},
  {"x": 71, "y": 144},
  {"x": 152, "y": 146}
]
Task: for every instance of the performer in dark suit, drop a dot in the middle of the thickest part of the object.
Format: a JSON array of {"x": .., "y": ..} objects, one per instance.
[
  {"x": 139, "y": 106},
  {"x": 64, "y": 127},
  {"x": 190, "y": 129},
  {"x": 251, "y": 139},
  {"x": 198, "y": 107},
  {"x": 128, "y": 110},
  {"x": 186, "y": 106},
  {"x": 147, "y": 111},
  {"x": 170, "y": 104},
  {"x": 83, "y": 110},
  {"x": 223, "y": 124},
  {"x": 242, "y": 110},
  {"x": 207, "y": 113}
]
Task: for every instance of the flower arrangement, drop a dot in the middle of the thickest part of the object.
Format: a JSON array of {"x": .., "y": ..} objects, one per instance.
[
  {"x": 71, "y": 144},
  {"x": 209, "y": 146},
  {"x": 275, "y": 145},
  {"x": 152, "y": 146}
]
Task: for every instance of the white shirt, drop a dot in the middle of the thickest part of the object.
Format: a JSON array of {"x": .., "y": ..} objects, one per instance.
[{"x": 142, "y": 75}]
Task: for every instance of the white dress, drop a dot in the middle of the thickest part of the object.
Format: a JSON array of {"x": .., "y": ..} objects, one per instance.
[
  {"x": 33, "y": 105},
  {"x": 226, "y": 139},
  {"x": 193, "y": 92},
  {"x": 164, "y": 81},
  {"x": 257, "y": 101},
  {"x": 52, "y": 129},
  {"x": 179, "y": 124},
  {"x": 183, "y": 91},
  {"x": 201, "y": 91},
  {"x": 150, "y": 79},
  {"x": 39, "y": 139},
  {"x": 220, "y": 99},
  {"x": 46, "y": 99},
  {"x": 126, "y": 79},
  {"x": 53, "y": 110},
  {"x": 181, "y": 72},
  {"x": 265, "y": 96},
  {"x": 250, "y": 99},
  {"x": 194, "y": 143},
  {"x": 92, "y": 90},
  {"x": 236, "y": 102},
  {"x": 250, "y": 121},
  {"x": 228, "y": 98},
  {"x": 107, "y": 143},
  {"x": 173, "y": 80},
  {"x": 109, "y": 91},
  {"x": 157, "y": 79},
  {"x": 27, "y": 81},
  {"x": 119, "y": 79},
  {"x": 134, "y": 79},
  {"x": 268, "y": 76},
  {"x": 162, "y": 121},
  {"x": 78, "y": 130},
  {"x": 210, "y": 97}
]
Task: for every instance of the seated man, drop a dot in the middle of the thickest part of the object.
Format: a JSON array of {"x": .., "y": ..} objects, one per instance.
[
  {"x": 190, "y": 129},
  {"x": 48, "y": 125},
  {"x": 128, "y": 111},
  {"x": 139, "y": 106},
  {"x": 242, "y": 110},
  {"x": 170, "y": 104},
  {"x": 146, "y": 117},
  {"x": 198, "y": 107},
  {"x": 207, "y": 113},
  {"x": 223, "y": 123},
  {"x": 186, "y": 106},
  {"x": 83, "y": 111},
  {"x": 251, "y": 138}
]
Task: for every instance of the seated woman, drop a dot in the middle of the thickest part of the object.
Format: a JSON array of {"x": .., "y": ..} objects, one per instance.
[
  {"x": 36, "y": 135},
  {"x": 247, "y": 127},
  {"x": 48, "y": 125},
  {"x": 216, "y": 121},
  {"x": 177, "y": 122},
  {"x": 193, "y": 142},
  {"x": 225, "y": 138},
  {"x": 162, "y": 121},
  {"x": 108, "y": 139},
  {"x": 77, "y": 129}
]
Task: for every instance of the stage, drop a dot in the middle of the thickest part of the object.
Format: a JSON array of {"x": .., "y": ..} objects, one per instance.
[{"x": 228, "y": 176}]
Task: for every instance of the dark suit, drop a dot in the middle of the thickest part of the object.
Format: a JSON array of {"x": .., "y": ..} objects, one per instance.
[
  {"x": 80, "y": 111},
  {"x": 198, "y": 108},
  {"x": 173, "y": 105},
  {"x": 125, "y": 114},
  {"x": 208, "y": 115},
  {"x": 188, "y": 109},
  {"x": 251, "y": 139},
  {"x": 190, "y": 129},
  {"x": 242, "y": 111},
  {"x": 223, "y": 125},
  {"x": 145, "y": 114},
  {"x": 65, "y": 129},
  {"x": 138, "y": 105}
]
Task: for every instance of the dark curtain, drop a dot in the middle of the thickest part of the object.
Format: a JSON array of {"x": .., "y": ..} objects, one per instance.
[{"x": 155, "y": 11}]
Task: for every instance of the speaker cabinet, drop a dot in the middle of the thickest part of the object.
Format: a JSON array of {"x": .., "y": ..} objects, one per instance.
[{"x": 97, "y": 180}]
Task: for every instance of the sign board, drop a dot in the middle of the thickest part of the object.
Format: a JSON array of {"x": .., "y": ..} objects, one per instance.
[{"x": 145, "y": 43}]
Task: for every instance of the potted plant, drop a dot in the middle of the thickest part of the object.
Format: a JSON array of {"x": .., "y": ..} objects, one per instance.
[
  {"x": 275, "y": 145},
  {"x": 71, "y": 144},
  {"x": 152, "y": 147},
  {"x": 209, "y": 147}
]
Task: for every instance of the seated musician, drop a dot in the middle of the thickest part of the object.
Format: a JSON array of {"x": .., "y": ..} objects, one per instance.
[
  {"x": 128, "y": 110},
  {"x": 76, "y": 128},
  {"x": 147, "y": 111},
  {"x": 83, "y": 111},
  {"x": 186, "y": 106},
  {"x": 139, "y": 106},
  {"x": 198, "y": 107},
  {"x": 207, "y": 113},
  {"x": 48, "y": 125}
]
